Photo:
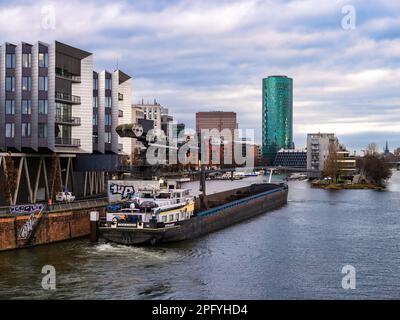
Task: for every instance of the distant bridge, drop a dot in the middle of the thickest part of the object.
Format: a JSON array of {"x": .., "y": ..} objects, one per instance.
[
  {"x": 136, "y": 170},
  {"x": 395, "y": 164}
]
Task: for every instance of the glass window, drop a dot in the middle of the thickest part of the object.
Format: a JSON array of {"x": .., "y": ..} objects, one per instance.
[
  {"x": 95, "y": 102},
  {"x": 10, "y": 106},
  {"x": 26, "y": 60},
  {"x": 26, "y": 84},
  {"x": 164, "y": 219},
  {"x": 42, "y": 130},
  {"x": 10, "y": 84},
  {"x": 108, "y": 137},
  {"x": 95, "y": 119},
  {"x": 108, "y": 102},
  {"x": 43, "y": 106},
  {"x": 43, "y": 83},
  {"x": 108, "y": 120},
  {"x": 10, "y": 60},
  {"x": 108, "y": 84},
  {"x": 26, "y": 107},
  {"x": 9, "y": 130},
  {"x": 95, "y": 82},
  {"x": 43, "y": 60},
  {"x": 171, "y": 217},
  {"x": 26, "y": 129}
]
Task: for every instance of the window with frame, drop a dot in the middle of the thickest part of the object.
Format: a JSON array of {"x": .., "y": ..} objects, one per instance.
[
  {"x": 26, "y": 129},
  {"x": 10, "y": 106},
  {"x": 43, "y": 83},
  {"x": 108, "y": 137},
  {"x": 42, "y": 130},
  {"x": 43, "y": 106},
  {"x": 108, "y": 84},
  {"x": 26, "y": 83},
  {"x": 95, "y": 119},
  {"x": 95, "y": 102},
  {"x": 26, "y": 107},
  {"x": 10, "y": 130},
  {"x": 10, "y": 84},
  {"x": 26, "y": 60},
  {"x": 10, "y": 60},
  {"x": 108, "y": 120},
  {"x": 171, "y": 218},
  {"x": 108, "y": 102},
  {"x": 43, "y": 59}
]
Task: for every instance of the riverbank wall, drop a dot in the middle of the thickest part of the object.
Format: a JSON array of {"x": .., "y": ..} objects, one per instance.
[{"x": 51, "y": 227}]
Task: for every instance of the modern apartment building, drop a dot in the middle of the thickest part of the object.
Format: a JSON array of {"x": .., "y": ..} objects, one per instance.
[
  {"x": 112, "y": 97},
  {"x": 318, "y": 149},
  {"x": 45, "y": 98},
  {"x": 277, "y": 115},
  {"x": 151, "y": 111},
  {"x": 291, "y": 158},
  {"x": 318, "y": 152},
  {"x": 56, "y": 116}
]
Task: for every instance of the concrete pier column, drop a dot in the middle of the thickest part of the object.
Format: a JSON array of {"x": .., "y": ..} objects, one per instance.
[{"x": 94, "y": 226}]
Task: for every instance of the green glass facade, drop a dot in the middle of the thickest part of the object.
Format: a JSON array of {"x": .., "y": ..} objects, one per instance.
[{"x": 277, "y": 115}]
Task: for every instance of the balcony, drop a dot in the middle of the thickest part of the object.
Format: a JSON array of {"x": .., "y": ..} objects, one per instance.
[
  {"x": 67, "y": 98},
  {"x": 72, "y": 121},
  {"x": 120, "y": 114},
  {"x": 70, "y": 77},
  {"x": 68, "y": 142}
]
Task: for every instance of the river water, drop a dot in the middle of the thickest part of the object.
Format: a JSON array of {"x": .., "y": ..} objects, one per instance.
[{"x": 296, "y": 252}]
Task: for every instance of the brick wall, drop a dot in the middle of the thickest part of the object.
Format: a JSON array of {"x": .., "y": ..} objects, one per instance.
[{"x": 52, "y": 228}]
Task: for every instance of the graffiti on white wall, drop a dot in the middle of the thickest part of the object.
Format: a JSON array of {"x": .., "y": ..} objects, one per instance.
[
  {"x": 121, "y": 190},
  {"x": 26, "y": 208},
  {"x": 27, "y": 227}
]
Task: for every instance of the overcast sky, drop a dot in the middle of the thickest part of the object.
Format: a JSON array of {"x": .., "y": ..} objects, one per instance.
[{"x": 212, "y": 55}]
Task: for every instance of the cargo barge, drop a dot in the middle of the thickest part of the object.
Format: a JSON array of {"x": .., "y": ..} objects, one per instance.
[{"x": 151, "y": 220}]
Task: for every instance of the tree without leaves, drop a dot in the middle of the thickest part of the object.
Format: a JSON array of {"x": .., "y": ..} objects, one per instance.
[
  {"x": 9, "y": 184},
  {"x": 375, "y": 169},
  {"x": 56, "y": 181},
  {"x": 397, "y": 153},
  {"x": 372, "y": 148},
  {"x": 331, "y": 167}
]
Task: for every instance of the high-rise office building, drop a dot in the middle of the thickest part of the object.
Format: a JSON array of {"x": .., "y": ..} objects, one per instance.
[{"x": 277, "y": 115}]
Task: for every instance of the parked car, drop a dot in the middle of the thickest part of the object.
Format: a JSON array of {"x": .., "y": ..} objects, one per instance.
[{"x": 65, "y": 196}]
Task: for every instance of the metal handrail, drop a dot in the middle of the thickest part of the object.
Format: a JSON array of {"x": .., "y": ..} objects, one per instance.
[
  {"x": 67, "y": 119},
  {"x": 67, "y": 97},
  {"x": 68, "y": 142}
]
